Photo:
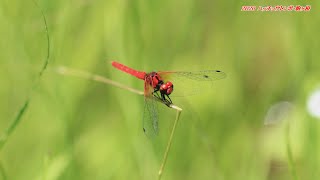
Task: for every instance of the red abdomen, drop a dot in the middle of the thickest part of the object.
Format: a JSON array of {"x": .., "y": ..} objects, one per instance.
[{"x": 121, "y": 67}]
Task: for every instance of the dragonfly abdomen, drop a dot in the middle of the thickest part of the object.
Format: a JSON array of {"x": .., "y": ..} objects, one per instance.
[{"x": 126, "y": 69}]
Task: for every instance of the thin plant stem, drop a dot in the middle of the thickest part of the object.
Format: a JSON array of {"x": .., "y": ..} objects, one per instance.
[
  {"x": 86, "y": 75},
  {"x": 12, "y": 126},
  {"x": 165, "y": 157},
  {"x": 289, "y": 154},
  {"x": 46, "y": 62},
  {"x": 82, "y": 74}
]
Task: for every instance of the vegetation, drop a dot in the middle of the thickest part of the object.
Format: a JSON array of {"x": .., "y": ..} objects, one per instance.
[{"x": 254, "y": 124}]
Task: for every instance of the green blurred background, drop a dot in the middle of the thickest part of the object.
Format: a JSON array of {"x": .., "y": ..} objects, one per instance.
[{"x": 79, "y": 129}]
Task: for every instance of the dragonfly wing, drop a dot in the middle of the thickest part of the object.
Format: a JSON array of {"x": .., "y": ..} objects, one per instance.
[
  {"x": 150, "y": 115},
  {"x": 191, "y": 83}
]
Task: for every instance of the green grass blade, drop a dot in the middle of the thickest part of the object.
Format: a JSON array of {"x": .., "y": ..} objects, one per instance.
[
  {"x": 165, "y": 157},
  {"x": 12, "y": 126},
  {"x": 289, "y": 154}
]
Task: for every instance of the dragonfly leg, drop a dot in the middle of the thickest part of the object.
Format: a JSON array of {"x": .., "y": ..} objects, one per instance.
[
  {"x": 156, "y": 94},
  {"x": 166, "y": 101},
  {"x": 162, "y": 97},
  {"x": 170, "y": 101}
]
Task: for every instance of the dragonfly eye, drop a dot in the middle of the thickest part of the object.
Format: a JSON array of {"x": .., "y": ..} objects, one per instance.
[
  {"x": 166, "y": 88},
  {"x": 169, "y": 90},
  {"x": 169, "y": 84}
]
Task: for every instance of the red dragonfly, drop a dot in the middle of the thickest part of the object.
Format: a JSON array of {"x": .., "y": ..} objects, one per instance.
[{"x": 162, "y": 84}]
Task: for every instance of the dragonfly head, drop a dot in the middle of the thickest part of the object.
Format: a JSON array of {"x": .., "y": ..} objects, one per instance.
[{"x": 166, "y": 88}]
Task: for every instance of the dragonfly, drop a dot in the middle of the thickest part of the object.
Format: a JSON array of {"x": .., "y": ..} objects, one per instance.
[{"x": 161, "y": 85}]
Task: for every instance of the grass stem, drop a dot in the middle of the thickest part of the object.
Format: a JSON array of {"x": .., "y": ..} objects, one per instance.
[
  {"x": 86, "y": 75},
  {"x": 12, "y": 126},
  {"x": 165, "y": 157},
  {"x": 289, "y": 154}
]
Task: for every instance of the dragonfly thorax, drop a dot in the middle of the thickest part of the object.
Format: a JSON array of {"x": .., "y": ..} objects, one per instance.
[{"x": 159, "y": 85}]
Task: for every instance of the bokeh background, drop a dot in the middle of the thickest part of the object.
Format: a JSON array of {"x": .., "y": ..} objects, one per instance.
[{"x": 254, "y": 124}]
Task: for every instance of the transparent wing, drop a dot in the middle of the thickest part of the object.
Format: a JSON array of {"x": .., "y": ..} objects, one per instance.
[
  {"x": 150, "y": 115},
  {"x": 191, "y": 83}
]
